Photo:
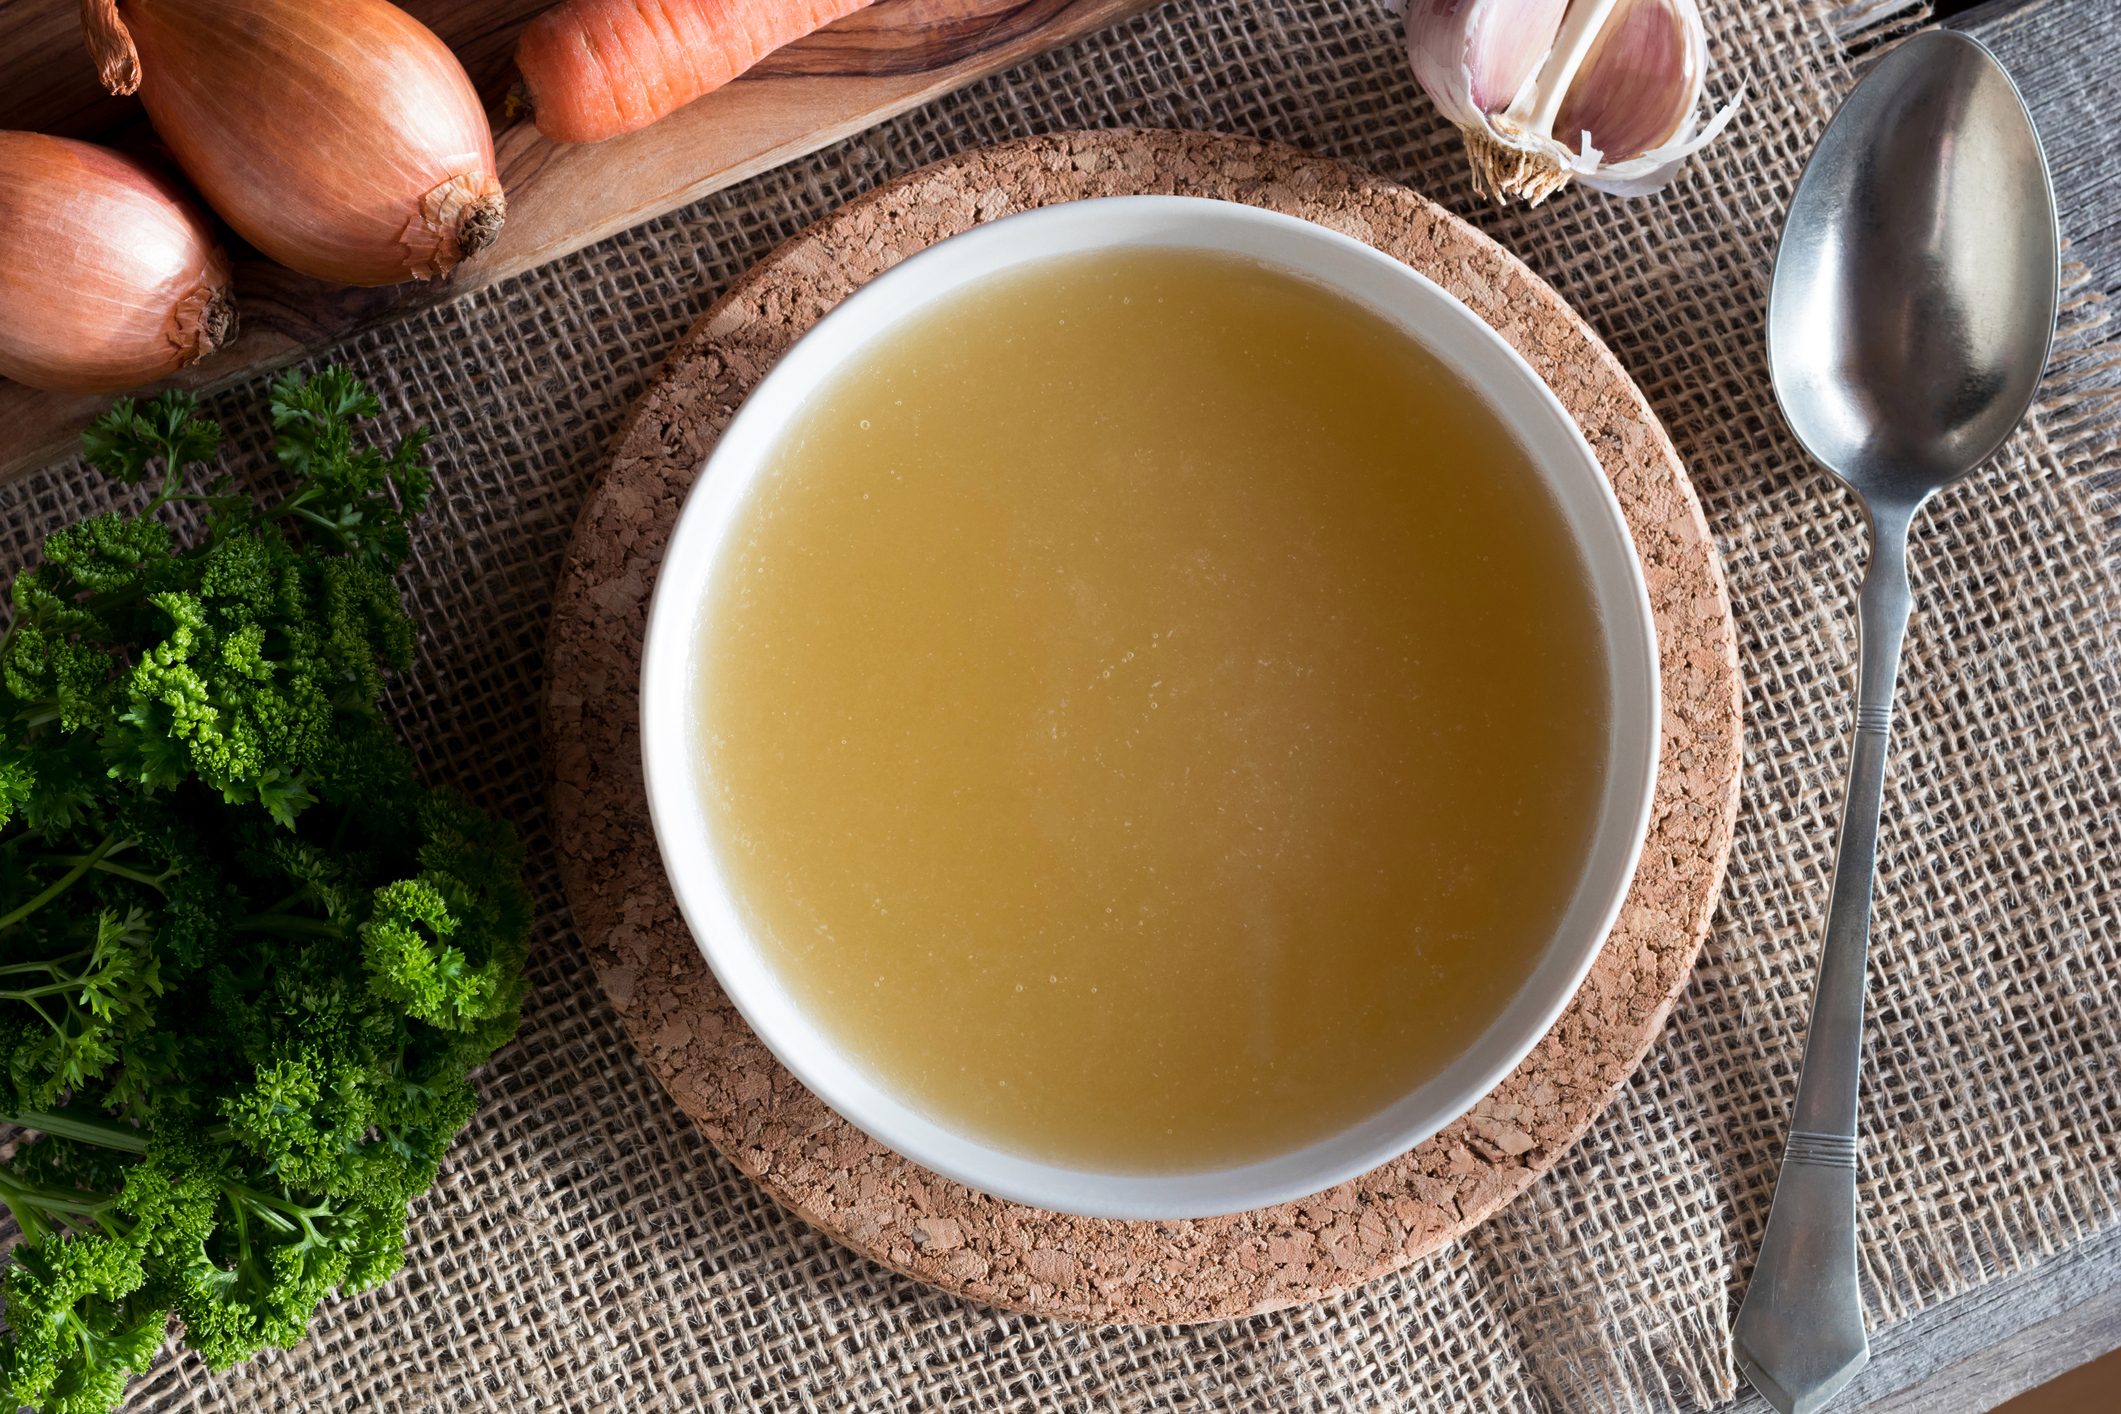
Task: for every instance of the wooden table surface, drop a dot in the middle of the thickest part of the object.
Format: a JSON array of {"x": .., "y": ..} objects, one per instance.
[{"x": 1974, "y": 1351}]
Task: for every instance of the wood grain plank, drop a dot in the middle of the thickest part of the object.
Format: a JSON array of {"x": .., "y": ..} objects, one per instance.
[
  {"x": 871, "y": 66},
  {"x": 1988, "y": 1344}
]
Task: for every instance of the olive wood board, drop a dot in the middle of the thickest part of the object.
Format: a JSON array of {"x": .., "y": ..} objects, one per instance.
[
  {"x": 874, "y": 64},
  {"x": 820, "y": 1166}
]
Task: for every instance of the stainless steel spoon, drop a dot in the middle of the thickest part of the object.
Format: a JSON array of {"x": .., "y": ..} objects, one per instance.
[{"x": 1910, "y": 317}]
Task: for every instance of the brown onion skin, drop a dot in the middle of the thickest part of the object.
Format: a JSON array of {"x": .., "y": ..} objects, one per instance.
[
  {"x": 339, "y": 137},
  {"x": 109, "y": 278}
]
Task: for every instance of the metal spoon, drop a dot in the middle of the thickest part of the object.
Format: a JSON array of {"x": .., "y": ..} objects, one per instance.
[{"x": 1910, "y": 317}]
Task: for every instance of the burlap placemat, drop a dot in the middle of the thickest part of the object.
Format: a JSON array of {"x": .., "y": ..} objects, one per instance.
[{"x": 586, "y": 1250}]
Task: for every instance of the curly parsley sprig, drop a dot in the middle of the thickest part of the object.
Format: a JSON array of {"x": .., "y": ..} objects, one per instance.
[{"x": 247, "y": 962}]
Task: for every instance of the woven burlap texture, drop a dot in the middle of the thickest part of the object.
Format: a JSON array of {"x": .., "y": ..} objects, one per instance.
[{"x": 586, "y": 1250}]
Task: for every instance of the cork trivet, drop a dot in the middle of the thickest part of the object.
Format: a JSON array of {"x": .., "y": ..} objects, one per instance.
[{"x": 883, "y": 1205}]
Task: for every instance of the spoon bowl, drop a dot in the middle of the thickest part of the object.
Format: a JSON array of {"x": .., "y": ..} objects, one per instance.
[
  {"x": 1915, "y": 288},
  {"x": 1909, "y": 321}
]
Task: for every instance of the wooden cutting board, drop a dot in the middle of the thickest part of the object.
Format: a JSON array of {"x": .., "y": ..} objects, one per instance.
[{"x": 874, "y": 64}]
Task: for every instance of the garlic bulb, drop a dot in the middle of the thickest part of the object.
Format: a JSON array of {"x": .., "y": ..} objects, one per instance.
[{"x": 1604, "y": 92}]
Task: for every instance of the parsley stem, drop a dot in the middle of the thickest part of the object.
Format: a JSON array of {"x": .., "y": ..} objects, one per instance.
[
  {"x": 290, "y": 506},
  {"x": 132, "y": 593},
  {"x": 58, "y": 1027},
  {"x": 33, "y": 1204},
  {"x": 107, "y": 866},
  {"x": 65, "y": 881},
  {"x": 81, "y": 1128},
  {"x": 57, "y": 988},
  {"x": 338, "y": 531},
  {"x": 49, "y": 969},
  {"x": 153, "y": 881}
]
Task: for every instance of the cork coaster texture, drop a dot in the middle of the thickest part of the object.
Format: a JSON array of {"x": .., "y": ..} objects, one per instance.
[{"x": 824, "y": 1169}]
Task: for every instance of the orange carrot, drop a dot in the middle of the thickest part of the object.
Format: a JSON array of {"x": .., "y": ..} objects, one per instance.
[{"x": 598, "y": 68}]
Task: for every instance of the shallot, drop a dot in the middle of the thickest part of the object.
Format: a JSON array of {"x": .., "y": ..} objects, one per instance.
[
  {"x": 339, "y": 137},
  {"x": 110, "y": 278}
]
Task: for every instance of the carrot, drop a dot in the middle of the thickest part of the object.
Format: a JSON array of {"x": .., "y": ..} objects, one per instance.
[{"x": 598, "y": 68}]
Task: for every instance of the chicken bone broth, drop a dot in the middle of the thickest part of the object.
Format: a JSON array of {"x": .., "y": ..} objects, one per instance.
[{"x": 1153, "y": 713}]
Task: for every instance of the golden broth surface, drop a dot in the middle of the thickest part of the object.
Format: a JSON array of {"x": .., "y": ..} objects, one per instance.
[{"x": 1154, "y": 712}]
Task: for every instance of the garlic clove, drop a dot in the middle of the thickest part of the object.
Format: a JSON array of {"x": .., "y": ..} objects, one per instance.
[
  {"x": 1480, "y": 53},
  {"x": 1639, "y": 80},
  {"x": 1552, "y": 91}
]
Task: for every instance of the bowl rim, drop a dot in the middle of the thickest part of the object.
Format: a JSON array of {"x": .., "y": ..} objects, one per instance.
[{"x": 1425, "y": 312}]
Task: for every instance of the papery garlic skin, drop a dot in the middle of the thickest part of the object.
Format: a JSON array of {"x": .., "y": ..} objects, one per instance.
[
  {"x": 1605, "y": 92},
  {"x": 1473, "y": 57}
]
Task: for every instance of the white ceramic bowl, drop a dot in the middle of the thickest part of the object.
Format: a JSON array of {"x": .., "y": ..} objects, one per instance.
[{"x": 670, "y": 675}]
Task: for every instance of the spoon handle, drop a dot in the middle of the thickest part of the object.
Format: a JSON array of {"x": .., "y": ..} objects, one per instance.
[{"x": 1799, "y": 1333}]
